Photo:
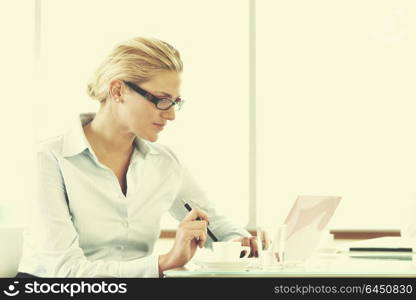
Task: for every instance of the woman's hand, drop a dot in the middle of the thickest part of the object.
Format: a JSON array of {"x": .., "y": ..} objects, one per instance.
[
  {"x": 190, "y": 234},
  {"x": 250, "y": 242}
]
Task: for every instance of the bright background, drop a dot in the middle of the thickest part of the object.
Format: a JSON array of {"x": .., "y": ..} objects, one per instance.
[
  {"x": 335, "y": 97},
  {"x": 336, "y": 101}
]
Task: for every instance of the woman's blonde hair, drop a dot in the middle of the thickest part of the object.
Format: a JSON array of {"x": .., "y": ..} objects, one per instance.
[{"x": 135, "y": 60}]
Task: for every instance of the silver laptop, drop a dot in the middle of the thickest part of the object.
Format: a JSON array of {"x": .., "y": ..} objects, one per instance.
[{"x": 305, "y": 224}]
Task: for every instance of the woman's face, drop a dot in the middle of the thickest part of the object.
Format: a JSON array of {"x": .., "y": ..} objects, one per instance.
[{"x": 139, "y": 115}]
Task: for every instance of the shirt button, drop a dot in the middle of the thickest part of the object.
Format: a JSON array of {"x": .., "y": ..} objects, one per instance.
[
  {"x": 126, "y": 224},
  {"x": 120, "y": 247}
]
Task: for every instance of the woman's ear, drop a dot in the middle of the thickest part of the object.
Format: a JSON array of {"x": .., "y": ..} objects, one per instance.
[{"x": 115, "y": 89}]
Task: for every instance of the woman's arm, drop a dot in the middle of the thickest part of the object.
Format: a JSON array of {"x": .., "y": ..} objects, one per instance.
[{"x": 192, "y": 193}]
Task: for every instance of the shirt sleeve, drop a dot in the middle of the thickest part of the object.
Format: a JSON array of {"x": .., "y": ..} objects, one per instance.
[
  {"x": 192, "y": 193},
  {"x": 58, "y": 253}
]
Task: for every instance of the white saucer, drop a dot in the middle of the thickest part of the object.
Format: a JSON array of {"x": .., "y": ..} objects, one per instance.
[{"x": 241, "y": 264}]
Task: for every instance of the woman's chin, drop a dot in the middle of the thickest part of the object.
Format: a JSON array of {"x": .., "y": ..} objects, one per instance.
[
  {"x": 151, "y": 138},
  {"x": 154, "y": 139}
]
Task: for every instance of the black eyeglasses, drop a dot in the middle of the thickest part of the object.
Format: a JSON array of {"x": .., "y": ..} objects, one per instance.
[{"x": 160, "y": 103}]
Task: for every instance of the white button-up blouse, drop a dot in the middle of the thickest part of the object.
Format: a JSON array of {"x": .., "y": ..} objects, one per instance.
[{"x": 82, "y": 225}]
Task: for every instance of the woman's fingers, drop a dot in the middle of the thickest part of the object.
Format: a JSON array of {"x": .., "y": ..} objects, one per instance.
[
  {"x": 195, "y": 229},
  {"x": 199, "y": 235},
  {"x": 194, "y": 214},
  {"x": 254, "y": 247},
  {"x": 252, "y": 243},
  {"x": 196, "y": 224}
]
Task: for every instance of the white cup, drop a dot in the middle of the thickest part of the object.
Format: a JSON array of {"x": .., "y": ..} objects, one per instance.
[{"x": 229, "y": 251}]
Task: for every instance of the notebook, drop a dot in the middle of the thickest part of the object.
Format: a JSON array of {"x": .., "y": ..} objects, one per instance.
[
  {"x": 382, "y": 244},
  {"x": 396, "y": 248}
]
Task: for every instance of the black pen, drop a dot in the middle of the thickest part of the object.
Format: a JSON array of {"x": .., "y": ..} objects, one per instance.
[{"x": 211, "y": 235}]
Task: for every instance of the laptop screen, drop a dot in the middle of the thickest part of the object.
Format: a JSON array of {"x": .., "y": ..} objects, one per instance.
[{"x": 305, "y": 223}]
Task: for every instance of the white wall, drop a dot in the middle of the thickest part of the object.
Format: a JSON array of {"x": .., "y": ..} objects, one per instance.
[
  {"x": 17, "y": 96},
  {"x": 336, "y": 103}
]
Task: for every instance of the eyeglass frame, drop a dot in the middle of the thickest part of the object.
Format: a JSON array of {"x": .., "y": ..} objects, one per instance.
[{"x": 152, "y": 98}]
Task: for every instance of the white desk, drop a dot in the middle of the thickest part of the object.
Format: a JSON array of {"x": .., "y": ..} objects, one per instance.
[
  {"x": 339, "y": 267},
  {"x": 319, "y": 265}
]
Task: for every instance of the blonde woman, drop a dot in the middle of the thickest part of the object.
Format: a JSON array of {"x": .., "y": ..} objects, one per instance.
[{"x": 104, "y": 185}]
